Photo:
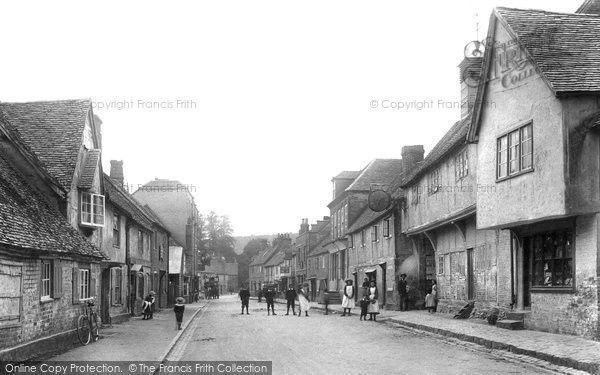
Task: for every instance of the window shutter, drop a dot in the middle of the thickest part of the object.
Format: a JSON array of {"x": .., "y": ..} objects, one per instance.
[
  {"x": 75, "y": 291},
  {"x": 57, "y": 279},
  {"x": 92, "y": 285}
]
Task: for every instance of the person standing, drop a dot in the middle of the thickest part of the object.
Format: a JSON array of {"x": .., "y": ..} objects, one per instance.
[
  {"x": 373, "y": 308},
  {"x": 179, "y": 309},
  {"x": 403, "y": 292},
  {"x": 303, "y": 304},
  {"x": 431, "y": 298},
  {"x": 348, "y": 299},
  {"x": 290, "y": 297},
  {"x": 270, "y": 297},
  {"x": 148, "y": 306},
  {"x": 245, "y": 298},
  {"x": 364, "y": 307}
]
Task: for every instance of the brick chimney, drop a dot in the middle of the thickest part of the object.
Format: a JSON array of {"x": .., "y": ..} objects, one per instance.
[
  {"x": 116, "y": 171},
  {"x": 411, "y": 155},
  {"x": 470, "y": 74},
  {"x": 303, "y": 226}
]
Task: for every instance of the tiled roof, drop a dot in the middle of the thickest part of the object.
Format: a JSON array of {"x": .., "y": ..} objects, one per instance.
[
  {"x": 378, "y": 171},
  {"x": 589, "y": 7},
  {"x": 455, "y": 136},
  {"x": 276, "y": 259},
  {"x": 565, "y": 47},
  {"x": 27, "y": 221},
  {"x": 347, "y": 175},
  {"x": 118, "y": 196},
  {"x": 90, "y": 166},
  {"x": 53, "y": 130},
  {"x": 366, "y": 218}
]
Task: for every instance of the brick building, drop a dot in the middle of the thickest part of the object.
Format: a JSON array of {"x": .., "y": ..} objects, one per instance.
[
  {"x": 51, "y": 205},
  {"x": 538, "y": 147},
  {"x": 174, "y": 205}
]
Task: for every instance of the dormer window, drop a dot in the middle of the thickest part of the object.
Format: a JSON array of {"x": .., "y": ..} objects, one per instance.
[{"x": 92, "y": 209}]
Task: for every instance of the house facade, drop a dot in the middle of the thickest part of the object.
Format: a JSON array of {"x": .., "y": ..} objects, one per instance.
[
  {"x": 539, "y": 150},
  {"x": 51, "y": 206},
  {"x": 173, "y": 204}
]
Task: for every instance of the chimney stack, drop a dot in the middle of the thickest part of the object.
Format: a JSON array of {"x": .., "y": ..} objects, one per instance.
[
  {"x": 411, "y": 155},
  {"x": 589, "y": 7},
  {"x": 303, "y": 226},
  {"x": 470, "y": 74},
  {"x": 116, "y": 171}
]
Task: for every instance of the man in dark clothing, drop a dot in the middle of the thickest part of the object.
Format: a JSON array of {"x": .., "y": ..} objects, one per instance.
[
  {"x": 245, "y": 298},
  {"x": 403, "y": 292},
  {"x": 270, "y": 297},
  {"x": 290, "y": 297}
]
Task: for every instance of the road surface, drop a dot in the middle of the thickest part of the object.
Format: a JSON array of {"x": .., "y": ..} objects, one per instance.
[{"x": 329, "y": 344}]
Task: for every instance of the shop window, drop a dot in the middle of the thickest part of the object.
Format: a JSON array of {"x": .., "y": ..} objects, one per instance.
[{"x": 553, "y": 259}]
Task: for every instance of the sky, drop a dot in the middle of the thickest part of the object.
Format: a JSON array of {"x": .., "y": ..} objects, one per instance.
[{"x": 254, "y": 105}]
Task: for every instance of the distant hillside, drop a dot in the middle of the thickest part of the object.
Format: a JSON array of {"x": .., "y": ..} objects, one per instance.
[{"x": 241, "y": 241}]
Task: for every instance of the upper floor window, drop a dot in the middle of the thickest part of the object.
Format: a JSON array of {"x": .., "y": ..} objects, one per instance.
[
  {"x": 386, "y": 228},
  {"x": 416, "y": 192},
  {"x": 374, "y": 234},
  {"x": 515, "y": 152},
  {"x": 116, "y": 229},
  {"x": 351, "y": 240},
  {"x": 461, "y": 165},
  {"x": 140, "y": 241},
  {"x": 434, "y": 181},
  {"x": 363, "y": 241},
  {"x": 92, "y": 209}
]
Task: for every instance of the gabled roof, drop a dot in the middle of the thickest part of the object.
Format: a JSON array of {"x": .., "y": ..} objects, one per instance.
[
  {"x": 27, "y": 221},
  {"x": 53, "y": 130},
  {"x": 565, "y": 47},
  {"x": 347, "y": 175},
  {"x": 454, "y": 137},
  {"x": 92, "y": 159},
  {"x": 119, "y": 197},
  {"x": 589, "y": 7},
  {"x": 368, "y": 217},
  {"x": 378, "y": 171},
  {"x": 277, "y": 259}
]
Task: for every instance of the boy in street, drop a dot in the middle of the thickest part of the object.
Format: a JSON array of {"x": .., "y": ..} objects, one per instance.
[
  {"x": 290, "y": 297},
  {"x": 364, "y": 305},
  {"x": 245, "y": 298},
  {"x": 403, "y": 292},
  {"x": 179, "y": 310},
  {"x": 270, "y": 297}
]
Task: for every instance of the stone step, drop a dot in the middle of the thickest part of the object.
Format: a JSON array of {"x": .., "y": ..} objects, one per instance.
[
  {"x": 513, "y": 315},
  {"x": 510, "y": 324}
]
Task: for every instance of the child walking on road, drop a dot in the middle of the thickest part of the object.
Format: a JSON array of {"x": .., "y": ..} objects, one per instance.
[{"x": 179, "y": 310}]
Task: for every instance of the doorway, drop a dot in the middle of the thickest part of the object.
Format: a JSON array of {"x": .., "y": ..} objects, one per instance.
[{"x": 470, "y": 276}]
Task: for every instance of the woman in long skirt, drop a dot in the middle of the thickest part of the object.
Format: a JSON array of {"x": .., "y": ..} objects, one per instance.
[
  {"x": 348, "y": 300},
  {"x": 303, "y": 303},
  {"x": 373, "y": 308},
  {"x": 431, "y": 298}
]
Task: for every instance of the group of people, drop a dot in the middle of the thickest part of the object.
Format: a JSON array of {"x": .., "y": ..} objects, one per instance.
[
  {"x": 291, "y": 296},
  {"x": 369, "y": 302}
]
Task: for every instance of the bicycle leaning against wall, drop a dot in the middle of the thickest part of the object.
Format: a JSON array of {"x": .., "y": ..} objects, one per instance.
[{"x": 88, "y": 323}]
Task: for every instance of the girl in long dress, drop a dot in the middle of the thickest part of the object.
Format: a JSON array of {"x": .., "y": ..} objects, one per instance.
[
  {"x": 373, "y": 308},
  {"x": 348, "y": 300},
  {"x": 431, "y": 298},
  {"x": 303, "y": 301}
]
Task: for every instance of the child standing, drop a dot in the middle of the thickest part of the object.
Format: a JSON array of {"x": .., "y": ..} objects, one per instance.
[
  {"x": 179, "y": 310},
  {"x": 364, "y": 305}
]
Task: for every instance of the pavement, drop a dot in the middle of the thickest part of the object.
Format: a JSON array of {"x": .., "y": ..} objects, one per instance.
[
  {"x": 125, "y": 341},
  {"x": 561, "y": 350}
]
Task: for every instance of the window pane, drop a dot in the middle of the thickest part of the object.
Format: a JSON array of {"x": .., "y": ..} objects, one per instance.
[
  {"x": 502, "y": 156},
  {"x": 514, "y": 146}
]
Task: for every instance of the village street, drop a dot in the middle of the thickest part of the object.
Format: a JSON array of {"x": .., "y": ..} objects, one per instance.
[{"x": 331, "y": 344}]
